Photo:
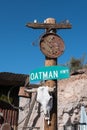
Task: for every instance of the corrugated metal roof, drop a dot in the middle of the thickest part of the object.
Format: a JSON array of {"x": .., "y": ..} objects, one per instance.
[{"x": 12, "y": 79}]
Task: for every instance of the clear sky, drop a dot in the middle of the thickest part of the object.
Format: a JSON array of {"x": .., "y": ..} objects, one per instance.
[{"x": 17, "y": 54}]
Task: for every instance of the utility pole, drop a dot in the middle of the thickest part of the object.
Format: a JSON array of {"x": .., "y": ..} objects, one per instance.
[
  {"x": 51, "y": 83},
  {"x": 52, "y": 46}
]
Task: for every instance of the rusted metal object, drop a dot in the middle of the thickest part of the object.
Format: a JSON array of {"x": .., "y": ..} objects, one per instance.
[{"x": 52, "y": 45}]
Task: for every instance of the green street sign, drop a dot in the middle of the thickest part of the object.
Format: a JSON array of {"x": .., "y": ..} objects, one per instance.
[{"x": 49, "y": 73}]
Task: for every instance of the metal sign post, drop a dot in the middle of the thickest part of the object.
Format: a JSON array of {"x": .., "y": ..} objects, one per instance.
[{"x": 52, "y": 46}]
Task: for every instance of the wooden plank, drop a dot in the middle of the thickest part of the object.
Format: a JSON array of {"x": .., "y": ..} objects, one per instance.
[
  {"x": 15, "y": 120},
  {"x": 5, "y": 115},
  {"x": 9, "y": 116},
  {"x": 49, "y": 25}
]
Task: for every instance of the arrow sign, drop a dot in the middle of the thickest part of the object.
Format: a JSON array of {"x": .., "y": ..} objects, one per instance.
[{"x": 50, "y": 72}]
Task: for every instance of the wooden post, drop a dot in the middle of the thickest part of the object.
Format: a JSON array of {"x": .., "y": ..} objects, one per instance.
[
  {"x": 51, "y": 83},
  {"x": 51, "y": 55}
]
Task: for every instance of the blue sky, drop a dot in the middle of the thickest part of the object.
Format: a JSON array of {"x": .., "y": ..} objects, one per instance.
[{"x": 17, "y": 54}]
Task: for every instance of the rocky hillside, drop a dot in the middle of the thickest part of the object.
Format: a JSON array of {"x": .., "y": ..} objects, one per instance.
[{"x": 72, "y": 94}]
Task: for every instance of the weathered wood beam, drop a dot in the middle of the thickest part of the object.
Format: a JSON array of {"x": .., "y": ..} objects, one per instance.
[
  {"x": 52, "y": 83},
  {"x": 49, "y": 25}
]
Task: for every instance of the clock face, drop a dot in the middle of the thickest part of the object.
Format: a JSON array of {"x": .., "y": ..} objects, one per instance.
[{"x": 52, "y": 45}]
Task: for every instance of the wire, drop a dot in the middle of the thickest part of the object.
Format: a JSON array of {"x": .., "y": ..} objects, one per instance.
[
  {"x": 18, "y": 108},
  {"x": 8, "y": 95}
]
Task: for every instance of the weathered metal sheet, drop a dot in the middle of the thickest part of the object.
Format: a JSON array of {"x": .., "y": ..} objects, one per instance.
[{"x": 52, "y": 45}]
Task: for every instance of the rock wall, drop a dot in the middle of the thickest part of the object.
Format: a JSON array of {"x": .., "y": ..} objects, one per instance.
[{"x": 72, "y": 94}]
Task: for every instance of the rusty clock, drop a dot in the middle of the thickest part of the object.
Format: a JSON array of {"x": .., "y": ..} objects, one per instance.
[{"x": 52, "y": 45}]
